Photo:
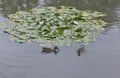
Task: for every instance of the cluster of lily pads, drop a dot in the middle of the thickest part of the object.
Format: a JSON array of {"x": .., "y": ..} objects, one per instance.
[{"x": 57, "y": 25}]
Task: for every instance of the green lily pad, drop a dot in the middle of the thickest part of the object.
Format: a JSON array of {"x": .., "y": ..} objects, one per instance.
[{"x": 58, "y": 25}]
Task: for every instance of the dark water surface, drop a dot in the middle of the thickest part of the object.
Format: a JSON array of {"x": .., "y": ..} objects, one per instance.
[{"x": 100, "y": 60}]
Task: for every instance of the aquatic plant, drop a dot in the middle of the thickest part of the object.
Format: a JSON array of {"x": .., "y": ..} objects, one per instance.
[{"x": 57, "y": 25}]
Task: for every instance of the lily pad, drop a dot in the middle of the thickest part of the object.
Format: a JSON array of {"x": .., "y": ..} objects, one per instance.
[{"x": 58, "y": 25}]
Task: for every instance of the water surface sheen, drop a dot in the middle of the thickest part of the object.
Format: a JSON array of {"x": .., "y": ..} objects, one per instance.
[{"x": 100, "y": 60}]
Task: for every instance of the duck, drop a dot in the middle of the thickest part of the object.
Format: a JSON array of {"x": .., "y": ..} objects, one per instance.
[
  {"x": 48, "y": 50},
  {"x": 81, "y": 50}
]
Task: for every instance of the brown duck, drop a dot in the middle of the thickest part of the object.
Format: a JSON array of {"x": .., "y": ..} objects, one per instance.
[
  {"x": 81, "y": 50},
  {"x": 47, "y": 50}
]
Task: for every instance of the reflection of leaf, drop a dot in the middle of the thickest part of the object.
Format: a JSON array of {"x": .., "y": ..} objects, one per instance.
[{"x": 58, "y": 25}]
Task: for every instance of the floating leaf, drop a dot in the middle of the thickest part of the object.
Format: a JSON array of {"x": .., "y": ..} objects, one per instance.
[{"x": 57, "y": 25}]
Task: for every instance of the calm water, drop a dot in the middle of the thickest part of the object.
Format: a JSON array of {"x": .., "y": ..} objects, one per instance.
[{"x": 100, "y": 60}]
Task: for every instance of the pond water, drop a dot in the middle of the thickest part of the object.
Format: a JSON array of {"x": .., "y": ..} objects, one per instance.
[{"x": 100, "y": 59}]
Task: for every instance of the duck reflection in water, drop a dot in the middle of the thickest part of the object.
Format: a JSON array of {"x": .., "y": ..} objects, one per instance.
[{"x": 47, "y": 50}]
